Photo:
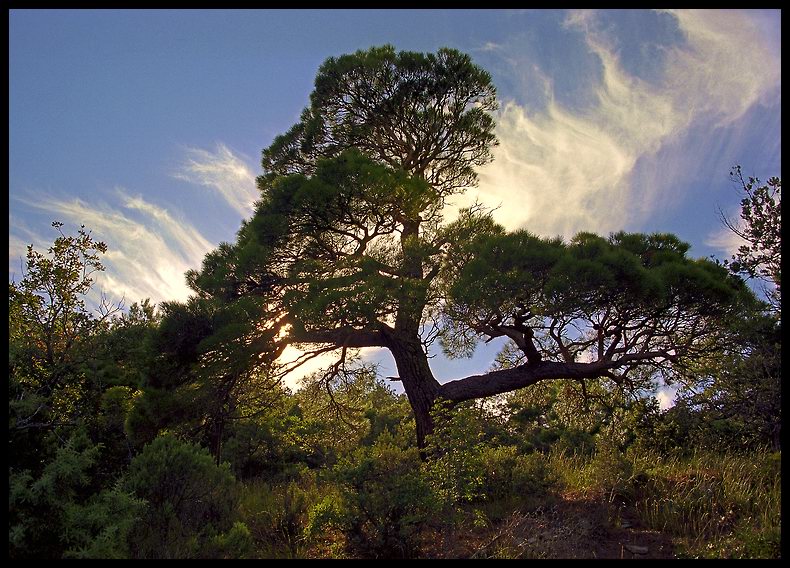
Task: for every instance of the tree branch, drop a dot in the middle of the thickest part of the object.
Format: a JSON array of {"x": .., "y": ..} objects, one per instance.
[
  {"x": 506, "y": 380},
  {"x": 341, "y": 336}
]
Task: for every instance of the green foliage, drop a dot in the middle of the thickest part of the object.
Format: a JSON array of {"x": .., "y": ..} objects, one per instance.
[
  {"x": 123, "y": 352},
  {"x": 208, "y": 369},
  {"x": 352, "y": 410},
  {"x": 325, "y": 514},
  {"x": 268, "y": 444},
  {"x": 587, "y": 279},
  {"x": 277, "y": 515},
  {"x": 761, "y": 228},
  {"x": 191, "y": 501},
  {"x": 100, "y": 527},
  {"x": 737, "y": 395},
  {"x": 377, "y": 99},
  {"x": 509, "y": 474},
  {"x": 719, "y": 505},
  {"x": 235, "y": 543},
  {"x": 61, "y": 513},
  {"x": 611, "y": 472},
  {"x": 52, "y": 343},
  {"x": 115, "y": 404},
  {"x": 456, "y": 468},
  {"x": 386, "y": 499}
]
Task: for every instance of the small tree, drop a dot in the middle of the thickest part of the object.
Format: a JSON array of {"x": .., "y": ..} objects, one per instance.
[
  {"x": 761, "y": 228},
  {"x": 191, "y": 503},
  {"x": 52, "y": 340}
]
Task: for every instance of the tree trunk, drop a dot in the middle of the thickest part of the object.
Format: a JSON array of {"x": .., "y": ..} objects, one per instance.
[
  {"x": 404, "y": 341},
  {"x": 418, "y": 382}
]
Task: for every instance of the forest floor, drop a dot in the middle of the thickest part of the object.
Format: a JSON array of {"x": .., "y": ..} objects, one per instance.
[{"x": 569, "y": 526}]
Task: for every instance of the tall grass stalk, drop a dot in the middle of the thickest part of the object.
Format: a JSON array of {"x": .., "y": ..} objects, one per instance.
[{"x": 714, "y": 504}]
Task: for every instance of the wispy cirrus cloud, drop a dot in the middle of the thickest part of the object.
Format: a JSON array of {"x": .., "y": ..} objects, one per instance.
[
  {"x": 225, "y": 172},
  {"x": 149, "y": 249},
  {"x": 559, "y": 170}
]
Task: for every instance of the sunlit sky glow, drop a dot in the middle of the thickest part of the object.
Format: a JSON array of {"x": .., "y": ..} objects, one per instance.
[{"x": 147, "y": 126}]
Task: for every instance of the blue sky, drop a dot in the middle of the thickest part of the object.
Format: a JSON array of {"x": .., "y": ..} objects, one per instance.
[{"x": 147, "y": 126}]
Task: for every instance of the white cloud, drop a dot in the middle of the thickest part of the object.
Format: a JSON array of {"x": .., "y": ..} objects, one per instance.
[
  {"x": 225, "y": 172},
  {"x": 558, "y": 171},
  {"x": 666, "y": 397},
  {"x": 146, "y": 257},
  {"x": 724, "y": 239},
  {"x": 149, "y": 249}
]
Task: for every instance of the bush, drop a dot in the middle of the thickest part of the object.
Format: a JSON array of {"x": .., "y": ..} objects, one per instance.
[
  {"x": 612, "y": 473},
  {"x": 456, "y": 468},
  {"x": 386, "y": 499},
  {"x": 100, "y": 527},
  {"x": 277, "y": 515},
  {"x": 191, "y": 501},
  {"x": 63, "y": 513},
  {"x": 498, "y": 465},
  {"x": 533, "y": 476}
]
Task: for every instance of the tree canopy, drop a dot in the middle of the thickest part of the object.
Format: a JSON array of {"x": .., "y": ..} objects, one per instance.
[{"x": 348, "y": 247}]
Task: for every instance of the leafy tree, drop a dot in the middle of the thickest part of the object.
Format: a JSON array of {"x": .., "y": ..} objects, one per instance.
[
  {"x": 761, "y": 228},
  {"x": 737, "y": 396},
  {"x": 735, "y": 400},
  {"x": 205, "y": 371},
  {"x": 123, "y": 351},
  {"x": 348, "y": 248},
  {"x": 53, "y": 339}
]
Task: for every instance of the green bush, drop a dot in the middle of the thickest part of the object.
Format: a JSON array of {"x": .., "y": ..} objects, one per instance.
[
  {"x": 612, "y": 473},
  {"x": 325, "y": 514},
  {"x": 100, "y": 527},
  {"x": 386, "y": 499},
  {"x": 498, "y": 465},
  {"x": 191, "y": 500},
  {"x": 533, "y": 476},
  {"x": 455, "y": 467},
  {"x": 235, "y": 543},
  {"x": 64, "y": 513},
  {"x": 509, "y": 474}
]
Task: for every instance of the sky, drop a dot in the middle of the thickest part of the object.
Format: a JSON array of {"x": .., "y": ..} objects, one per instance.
[{"x": 147, "y": 126}]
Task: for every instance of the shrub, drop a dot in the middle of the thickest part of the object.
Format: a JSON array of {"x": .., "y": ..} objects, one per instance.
[
  {"x": 456, "y": 469},
  {"x": 63, "y": 513},
  {"x": 386, "y": 498},
  {"x": 532, "y": 475},
  {"x": 191, "y": 500},
  {"x": 612, "y": 473},
  {"x": 507, "y": 473}
]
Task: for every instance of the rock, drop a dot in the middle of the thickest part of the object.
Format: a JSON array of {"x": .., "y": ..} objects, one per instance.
[{"x": 636, "y": 549}]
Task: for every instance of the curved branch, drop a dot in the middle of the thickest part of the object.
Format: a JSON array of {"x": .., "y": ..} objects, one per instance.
[{"x": 506, "y": 380}]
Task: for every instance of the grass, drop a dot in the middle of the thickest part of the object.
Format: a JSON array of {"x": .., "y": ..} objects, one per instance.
[
  {"x": 713, "y": 505},
  {"x": 700, "y": 506}
]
